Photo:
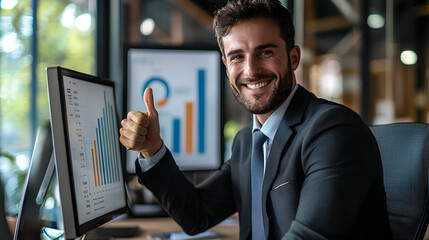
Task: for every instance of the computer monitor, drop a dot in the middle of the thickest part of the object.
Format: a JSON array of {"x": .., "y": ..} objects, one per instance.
[
  {"x": 188, "y": 90},
  {"x": 86, "y": 149}
]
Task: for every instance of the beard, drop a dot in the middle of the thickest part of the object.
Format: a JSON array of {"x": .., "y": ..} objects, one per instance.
[{"x": 278, "y": 94}]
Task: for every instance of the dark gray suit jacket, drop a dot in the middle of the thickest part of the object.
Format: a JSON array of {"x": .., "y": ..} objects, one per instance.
[{"x": 323, "y": 180}]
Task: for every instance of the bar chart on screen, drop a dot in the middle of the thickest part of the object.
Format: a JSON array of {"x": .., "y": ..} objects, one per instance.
[
  {"x": 94, "y": 150},
  {"x": 183, "y": 129},
  {"x": 186, "y": 95}
]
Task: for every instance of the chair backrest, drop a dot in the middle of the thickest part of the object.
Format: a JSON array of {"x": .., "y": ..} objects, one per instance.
[{"x": 404, "y": 149}]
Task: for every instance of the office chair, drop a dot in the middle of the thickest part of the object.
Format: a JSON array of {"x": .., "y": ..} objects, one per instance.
[
  {"x": 4, "y": 229},
  {"x": 404, "y": 149}
]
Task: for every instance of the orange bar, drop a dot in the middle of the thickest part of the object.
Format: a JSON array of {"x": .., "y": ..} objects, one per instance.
[
  {"x": 189, "y": 121},
  {"x": 96, "y": 162},
  {"x": 93, "y": 167}
]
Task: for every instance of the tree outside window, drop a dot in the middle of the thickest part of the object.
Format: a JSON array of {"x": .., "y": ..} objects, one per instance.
[{"x": 64, "y": 35}]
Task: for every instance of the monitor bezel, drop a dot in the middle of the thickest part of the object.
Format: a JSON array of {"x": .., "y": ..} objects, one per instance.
[
  {"x": 222, "y": 76},
  {"x": 81, "y": 229}
]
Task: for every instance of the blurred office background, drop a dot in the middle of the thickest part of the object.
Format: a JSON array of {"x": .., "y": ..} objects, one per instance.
[{"x": 371, "y": 55}]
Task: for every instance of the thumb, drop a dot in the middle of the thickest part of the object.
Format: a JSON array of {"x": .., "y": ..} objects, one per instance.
[{"x": 148, "y": 100}]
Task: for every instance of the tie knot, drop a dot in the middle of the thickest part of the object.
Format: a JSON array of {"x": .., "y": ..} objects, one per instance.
[{"x": 258, "y": 138}]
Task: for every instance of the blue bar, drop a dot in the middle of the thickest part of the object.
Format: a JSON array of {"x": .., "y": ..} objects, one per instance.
[
  {"x": 98, "y": 152},
  {"x": 201, "y": 110},
  {"x": 101, "y": 149},
  {"x": 116, "y": 151},
  {"x": 115, "y": 177},
  {"x": 176, "y": 135},
  {"x": 109, "y": 138},
  {"x": 106, "y": 124},
  {"x": 106, "y": 160},
  {"x": 106, "y": 128}
]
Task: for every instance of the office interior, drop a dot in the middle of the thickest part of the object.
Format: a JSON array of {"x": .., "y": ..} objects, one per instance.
[{"x": 372, "y": 56}]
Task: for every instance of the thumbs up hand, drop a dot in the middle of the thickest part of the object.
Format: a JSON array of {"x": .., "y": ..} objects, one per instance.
[{"x": 140, "y": 131}]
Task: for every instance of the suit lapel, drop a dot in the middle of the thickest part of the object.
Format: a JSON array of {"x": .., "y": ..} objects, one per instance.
[
  {"x": 293, "y": 115},
  {"x": 277, "y": 150}
]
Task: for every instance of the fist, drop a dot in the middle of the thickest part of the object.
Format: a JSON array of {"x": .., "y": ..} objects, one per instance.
[{"x": 140, "y": 131}]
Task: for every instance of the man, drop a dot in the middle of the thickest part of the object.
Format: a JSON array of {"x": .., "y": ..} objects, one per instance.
[{"x": 319, "y": 172}]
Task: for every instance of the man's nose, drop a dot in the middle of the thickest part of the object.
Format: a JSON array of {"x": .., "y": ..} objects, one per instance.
[{"x": 252, "y": 67}]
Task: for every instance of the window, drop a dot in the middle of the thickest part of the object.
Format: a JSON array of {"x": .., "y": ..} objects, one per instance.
[
  {"x": 35, "y": 34},
  {"x": 369, "y": 55}
]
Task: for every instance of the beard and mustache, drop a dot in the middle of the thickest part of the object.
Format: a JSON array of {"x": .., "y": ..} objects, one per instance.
[{"x": 278, "y": 94}]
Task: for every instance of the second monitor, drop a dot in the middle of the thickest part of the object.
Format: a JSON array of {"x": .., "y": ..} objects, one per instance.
[{"x": 188, "y": 95}]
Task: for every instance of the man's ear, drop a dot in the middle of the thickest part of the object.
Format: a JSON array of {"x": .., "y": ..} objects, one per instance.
[
  {"x": 295, "y": 57},
  {"x": 226, "y": 66}
]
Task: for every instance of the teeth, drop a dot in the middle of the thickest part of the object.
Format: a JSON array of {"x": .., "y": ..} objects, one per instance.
[{"x": 256, "y": 86}]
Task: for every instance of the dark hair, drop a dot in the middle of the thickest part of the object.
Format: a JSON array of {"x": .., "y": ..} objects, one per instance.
[{"x": 238, "y": 10}]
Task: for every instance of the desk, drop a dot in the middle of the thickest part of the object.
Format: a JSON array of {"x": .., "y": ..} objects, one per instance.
[
  {"x": 166, "y": 224},
  {"x": 228, "y": 229}
]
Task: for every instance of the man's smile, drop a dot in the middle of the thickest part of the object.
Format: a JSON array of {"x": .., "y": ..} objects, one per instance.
[{"x": 257, "y": 85}]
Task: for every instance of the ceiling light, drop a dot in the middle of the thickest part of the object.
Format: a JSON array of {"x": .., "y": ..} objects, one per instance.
[
  {"x": 375, "y": 21},
  {"x": 147, "y": 26},
  {"x": 409, "y": 57}
]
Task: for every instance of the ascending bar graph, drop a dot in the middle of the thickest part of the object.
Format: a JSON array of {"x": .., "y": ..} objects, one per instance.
[
  {"x": 105, "y": 159},
  {"x": 94, "y": 146}
]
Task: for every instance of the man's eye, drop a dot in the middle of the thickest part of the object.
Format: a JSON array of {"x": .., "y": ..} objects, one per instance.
[
  {"x": 265, "y": 53},
  {"x": 237, "y": 57}
]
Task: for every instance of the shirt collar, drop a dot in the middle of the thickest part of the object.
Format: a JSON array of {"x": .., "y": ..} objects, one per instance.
[{"x": 272, "y": 124}]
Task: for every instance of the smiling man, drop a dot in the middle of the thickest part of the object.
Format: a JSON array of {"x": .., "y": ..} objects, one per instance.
[
  {"x": 259, "y": 66},
  {"x": 306, "y": 168}
]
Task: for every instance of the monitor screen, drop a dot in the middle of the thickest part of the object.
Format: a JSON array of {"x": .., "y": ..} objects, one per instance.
[
  {"x": 86, "y": 149},
  {"x": 187, "y": 93}
]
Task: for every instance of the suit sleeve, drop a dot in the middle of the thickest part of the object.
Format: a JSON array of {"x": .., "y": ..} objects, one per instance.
[
  {"x": 195, "y": 209},
  {"x": 341, "y": 167}
]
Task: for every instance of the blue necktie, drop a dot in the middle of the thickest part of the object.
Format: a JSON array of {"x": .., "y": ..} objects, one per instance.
[{"x": 257, "y": 176}]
